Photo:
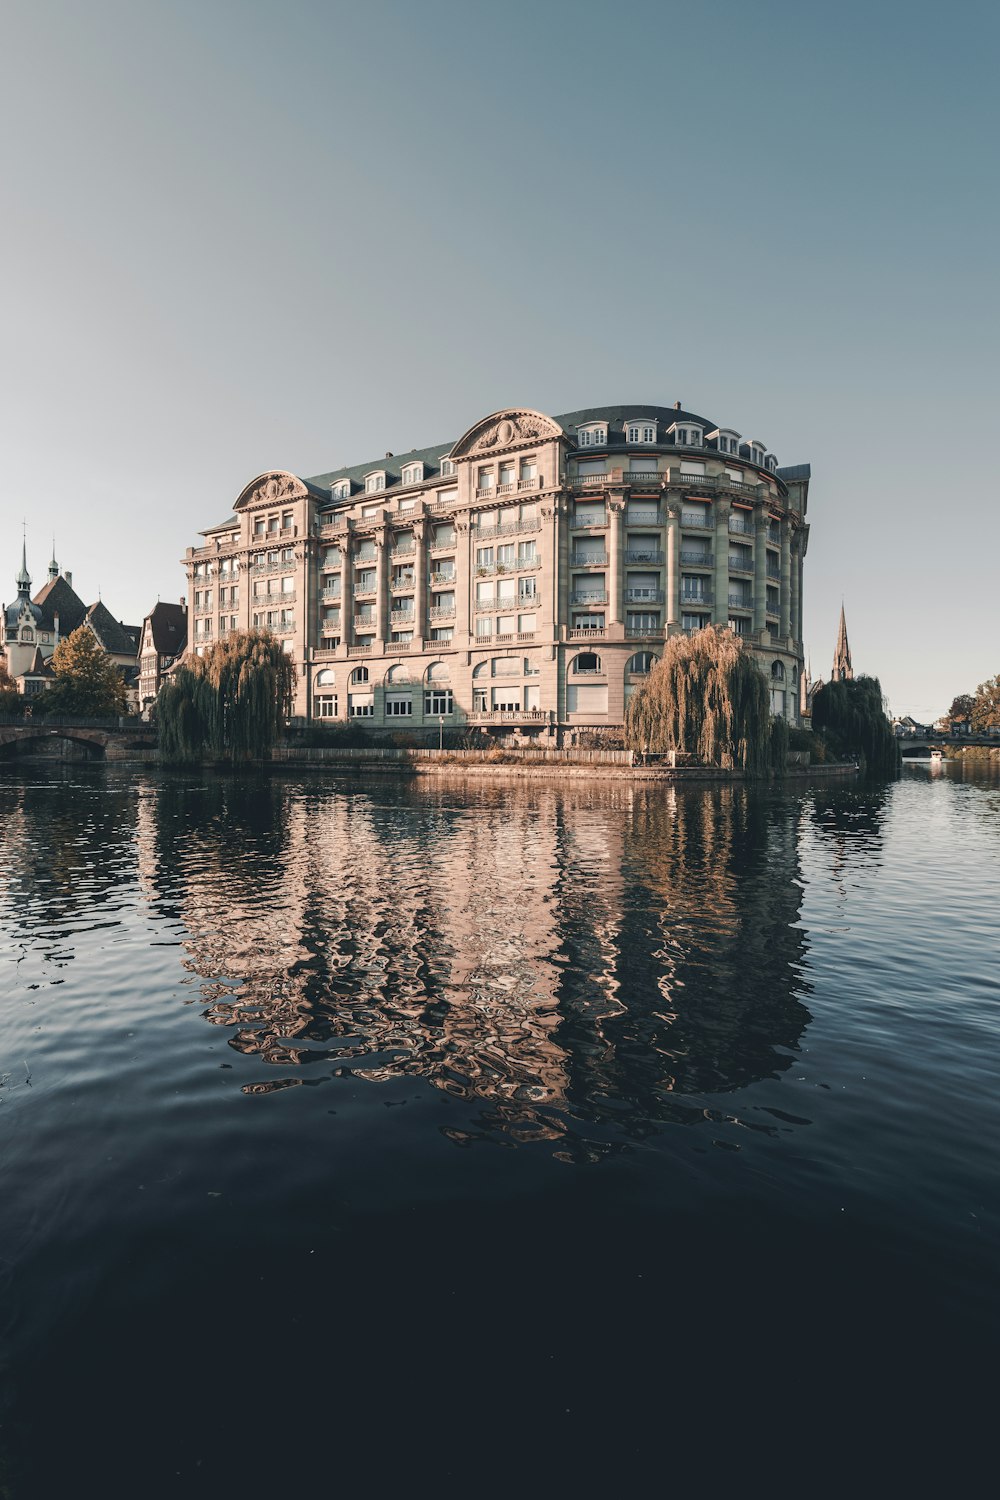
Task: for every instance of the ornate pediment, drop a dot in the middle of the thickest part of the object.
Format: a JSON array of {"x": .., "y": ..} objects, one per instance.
[
  {"x": 516, "y": 428},
  {"x": 271, "y": 489}
]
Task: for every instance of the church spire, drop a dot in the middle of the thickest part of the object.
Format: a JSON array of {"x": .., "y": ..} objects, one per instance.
[
  {"x": 23, "y": 579},
  {"x": 53, "y": 565},
  {"x": 843, "y": 671}
]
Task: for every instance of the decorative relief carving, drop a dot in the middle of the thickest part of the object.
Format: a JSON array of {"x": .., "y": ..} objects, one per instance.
[
  {"x": 270, "y": 489},
  {"x": 506, "y": 430}
]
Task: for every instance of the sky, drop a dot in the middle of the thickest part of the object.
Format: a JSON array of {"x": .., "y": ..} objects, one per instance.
[{"x": 247, "y": 236}]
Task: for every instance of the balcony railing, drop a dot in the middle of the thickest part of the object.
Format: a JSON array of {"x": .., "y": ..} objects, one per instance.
[
  {"x": 367, "y": 592},
  {"x": 440, "y": 577},
  {"x": 402, "y": 582},
  {"x": 740, "y": 527},
  {"x": 595, "y": 560},
  {"x": 588, "y": 523},
  {"x": 365, "y": 650},
  {"x": 654, "y": 633},
  {"x": 529, "y": 484},
  {"x": 589, "y": 596},
  {"x": 402, "y": 617},
  {"x": 506, "y": 488},
  {"x": 509, "y": 716},
  {"x": 364, "y": 622},
  {"x": 654, "y": 518},
  {"x": 204, "y": 609},
  {"x": 591, "y": 633},
  {"x": 773, "y": 575},
  {"x": 442, "y": 543},
  {"x": 329, "y": 593},
  {"x": 705, "y": 598},
  {"x": 740, "y": 601},
  {"x": 692, "y": 522},
  {"x": 644, "y": 596},
  {"x": 696, "y": 559},
  {"x": 740, "y": 564},
  {"x": 506, "y": 528},
  {"x": 651, "y": 559},
  {"x": 402, "y": 549},
  {"x": 442, "y": 612}
]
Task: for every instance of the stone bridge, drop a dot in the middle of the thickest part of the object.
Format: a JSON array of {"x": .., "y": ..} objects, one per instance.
[
  {"x": 77, "y": 739},
  {"x": 923, "y": 744}
]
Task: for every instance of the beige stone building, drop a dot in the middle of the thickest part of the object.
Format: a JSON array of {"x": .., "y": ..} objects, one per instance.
[{"x": 520, "y": 580}]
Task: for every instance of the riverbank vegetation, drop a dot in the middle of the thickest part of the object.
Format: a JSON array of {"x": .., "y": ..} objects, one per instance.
[
  {"x": 707, "y": 697},
  {"x": 850, "y": 718},
  {"x": 228, "y": 705}
]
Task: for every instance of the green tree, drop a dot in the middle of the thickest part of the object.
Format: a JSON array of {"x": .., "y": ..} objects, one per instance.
[
  {"x": 986, "y": 707},
  {"x": 707, "y": 697},
  {"x": 11, "y": 701},
  {"x": 961, "y": 707},
  {"x": 88, "y": 683},
  {"x": 852, "y": 717},
  {"x": 230, "y": 703}
]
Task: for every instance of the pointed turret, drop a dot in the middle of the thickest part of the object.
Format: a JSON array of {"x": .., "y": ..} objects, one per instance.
[
  {"x": 53, "y": 565},
  {"x": 843, "y": 671},
  {"x": 23, "y": 579}
]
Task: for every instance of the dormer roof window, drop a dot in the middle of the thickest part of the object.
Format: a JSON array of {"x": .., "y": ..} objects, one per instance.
[
  {"x": 341, "y": 490},
  {"x": 447, "y": 467},
  {"x": 771, "y": 463},
  {"x": 592, "y": 435},
  {"x": 755, "y": 451},
  {"x": 413, "y": 473},
  {"x": 375, "y": 482},
  {"x": 687, "y": 434},
  {"x": 640, "y": 432},
  {"x": 726, "y": 439}
]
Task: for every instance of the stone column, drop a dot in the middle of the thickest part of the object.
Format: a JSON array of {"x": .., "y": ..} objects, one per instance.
[
  {"x": 383, "y": 603},
  {"x": 553, "y": 575},
  {"x": 673, "y": 576},
  {"x": 795, "y": 609},
  {"x": 616, "y": 510},
  {"x": 346, "y": 590},
  {"x": 421, "y": 594},
  {"x": 786, "y": 578},
  {"x": 465, "y": 541},
  {"x": 760, "y": 519},
  {"x": 720, "y": 607}
]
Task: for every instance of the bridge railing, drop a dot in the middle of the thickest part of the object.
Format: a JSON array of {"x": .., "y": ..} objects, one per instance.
[{"x": 71, "y": 721}]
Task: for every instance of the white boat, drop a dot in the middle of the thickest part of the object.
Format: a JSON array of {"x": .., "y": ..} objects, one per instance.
[{"x": 937, "y": 755}]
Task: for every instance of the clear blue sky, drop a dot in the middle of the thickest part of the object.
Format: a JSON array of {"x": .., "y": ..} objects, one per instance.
[{"x": 238, "y": 236}]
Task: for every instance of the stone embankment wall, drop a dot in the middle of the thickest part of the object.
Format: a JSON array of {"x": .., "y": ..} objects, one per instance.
[{"x": 506, "y": 764}]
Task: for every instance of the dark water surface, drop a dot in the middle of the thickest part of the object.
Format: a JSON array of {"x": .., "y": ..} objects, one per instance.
[{"x": 377, "y": 1136}]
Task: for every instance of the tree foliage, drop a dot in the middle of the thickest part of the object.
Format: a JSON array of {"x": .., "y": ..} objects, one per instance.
[
  {"x": 852, "y": 716},
  {"x": 87, "y": 684},
  {"x": 986, "y": 706},
  {"x": 706, "y": 697},
  {"x": 10, "y": 699},
  {"x": 961, "y": 707},
  {"x": 229, "y": 704}
]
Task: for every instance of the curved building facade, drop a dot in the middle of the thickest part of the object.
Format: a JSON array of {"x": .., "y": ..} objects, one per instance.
[{"x": 520, "y": 580}]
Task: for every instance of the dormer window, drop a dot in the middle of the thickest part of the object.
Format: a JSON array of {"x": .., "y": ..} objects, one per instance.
[
  {"x": 725, "y": 439},
  {"x": 772, "y": 463},
  {"x": 687, "y": 435},
  {"x": 756, "y": 452},
  {"x": 594, "y": 435},
  {"x": 447, "y": 467},
  {"x": 375, "y": 482},
  {"x": 640, "y": 432},
  {"x": 413, "y": 473},
  {"x": 341, "y": 490}
]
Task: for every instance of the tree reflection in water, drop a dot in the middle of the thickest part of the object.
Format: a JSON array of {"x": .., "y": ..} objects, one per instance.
[{"x": 579, "y": 966}]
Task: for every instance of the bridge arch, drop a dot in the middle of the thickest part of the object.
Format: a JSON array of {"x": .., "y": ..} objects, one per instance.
[{"x": 27, "y": 740}]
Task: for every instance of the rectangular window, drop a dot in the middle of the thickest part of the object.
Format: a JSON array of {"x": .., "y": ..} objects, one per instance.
[
  {"x": 439, "y": 701},
  {"x": 641, "y": 513},
  {"x": 506, "y": 555},
  {"x": 442, "y": 633},
  {"x": 286, "y": 521},
  {"x": 360, "y": 705},
  {"x": 587, "y": 698},
  {"x": 478, "y": 700},
  {"x": 506, "y": 700},
  {"x": 366, "y": 551},
  {"x": 484, "y": 479},
  {"x": 690, "y": 466},
  {"x": 588, "y": 622},
  {"x": 528, "y": 512},
  {"x": 506, "y": 473},
  {"x": 505, "y": 624},
  {"x": 272, "y": 525},
  {"x": 693, "y": 622},
  {"x": 526, "y": 624},
  {"x": 642, "y": 466},
  {"x": 398, "y": 705},
  {"x": 446, "y": 497},
  {"x": 506, "y": 591},
  {"x": 736, "y": 475},
  {"x": 401, "y": 637},
  {"x": 325, "y": 706},
  {"x": 484, "y": 592},
  {"x": 258, "y": 527},
  {"x": 331, "y": 558},
  {"x": 366, "y": 581},
  {"x": 589, "y": 513},
  {"x": 527, "y": 554},
  {"x": 484, "y": 557},
  {"x": 288, "y": 585},
  {"x": 527, "y": 589},
  {"x": 484, "y": 626},
  {"x": 739, "y": 625},
  {"x": 643, "y": 620},
  {"x": 529, "y": 469}
]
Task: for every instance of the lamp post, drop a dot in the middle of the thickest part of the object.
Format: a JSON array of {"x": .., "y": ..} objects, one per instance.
[{"x": 440, "y": 732}]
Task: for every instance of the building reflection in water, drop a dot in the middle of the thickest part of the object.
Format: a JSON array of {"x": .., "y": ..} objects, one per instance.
[{"x": 578, "y": 966}]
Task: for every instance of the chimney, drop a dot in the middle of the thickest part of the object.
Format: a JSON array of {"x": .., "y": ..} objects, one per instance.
[
  {"x": 677, "y": 406},
  {"x": 69, "y": 579},
  {"x": 388, "y": 455},
  {"x": 183, "y": 603}
]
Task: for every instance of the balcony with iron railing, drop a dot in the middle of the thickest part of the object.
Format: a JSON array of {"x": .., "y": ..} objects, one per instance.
[
  {"x": 402, "y": 583},
  {"x": 651, "y": 559},
  {"x": 589, "y": 523},
  {"x": 773, "y": 575},
  {"x": 693, "y": 521},
  {"x": 589, "y": 596},
  {"x": 364, "y": 622},
  {"x": 362, "y": 650},
  {"x": 402, "y": 549},
  {"x": 402, "y": 617},
  {"x": 330, "y": 593},
  {"x": 740, "y": 564},
  {"x": 508, "y": 716},
  {"x": 442, "y": 611},
  {"x": 441, "y": 577},
  {"x": 442, "y": 543},
  {"x": 690, "y": 597},
  {"x": 740, "y": 601},
  {"x": 696, "y": 559},
  {"x": 505, "y": 528},
  {"x": 367, "y": 592},
  {"x": 651, "y": 518},
  {"x": 650, "y": 633},
  {"x": 594, "y": 560},
  {"x": 644, "y": 596},
  {"x": 740, "y": 527},
  {"x": 204, "y": 609}
]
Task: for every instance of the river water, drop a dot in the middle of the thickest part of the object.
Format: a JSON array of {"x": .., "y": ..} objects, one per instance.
[{"x": 353, "y": 1133}]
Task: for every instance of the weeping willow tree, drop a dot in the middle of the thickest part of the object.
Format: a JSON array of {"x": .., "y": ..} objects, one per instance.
[
  {"x": 706, "y": 697},
  {"x": 229, "y": 704},
  {"x": 852, "y": 716}
]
